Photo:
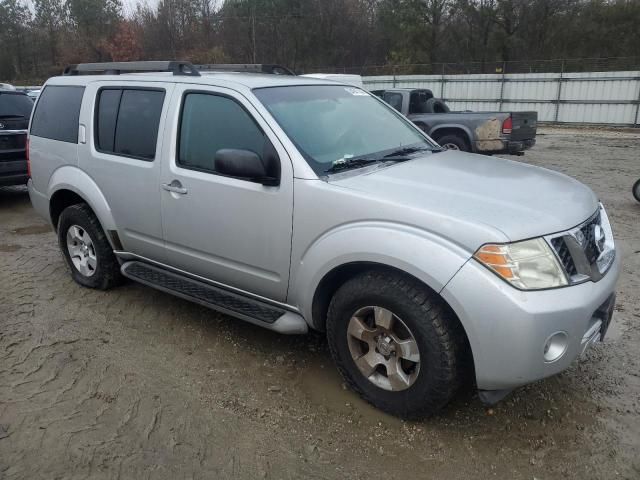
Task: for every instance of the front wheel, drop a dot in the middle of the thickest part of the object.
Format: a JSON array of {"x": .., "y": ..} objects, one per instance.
[
  {"x": 395, "y": 343},
  {"x": 636, "y": 190}
]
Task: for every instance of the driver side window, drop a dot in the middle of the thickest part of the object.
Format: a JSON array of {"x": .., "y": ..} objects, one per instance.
[{"x": 211, "y": 122}]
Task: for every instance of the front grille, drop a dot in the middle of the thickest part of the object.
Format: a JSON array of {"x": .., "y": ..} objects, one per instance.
[
  {"x": 578, "y": 250},
  {"x": 590, "y": 247},
  {"x": 564, "y": 255}
]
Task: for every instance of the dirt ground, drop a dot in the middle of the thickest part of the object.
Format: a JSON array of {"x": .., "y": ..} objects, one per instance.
[{"x": 133, "y": 383}]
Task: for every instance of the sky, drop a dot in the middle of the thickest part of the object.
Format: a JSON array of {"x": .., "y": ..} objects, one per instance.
[{"x": 129, "y": 6}]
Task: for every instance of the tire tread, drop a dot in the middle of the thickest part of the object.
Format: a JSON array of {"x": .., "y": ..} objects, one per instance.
[
  {"x": 109, "y": 275},
  {"x": 448, "y": 334}
]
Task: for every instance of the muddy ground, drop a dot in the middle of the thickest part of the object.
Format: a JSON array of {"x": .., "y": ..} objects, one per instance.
[{"x": 134, "y": 383}]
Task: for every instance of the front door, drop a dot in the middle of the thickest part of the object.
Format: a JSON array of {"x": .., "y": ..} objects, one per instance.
[{"x": 229, "y": 230}]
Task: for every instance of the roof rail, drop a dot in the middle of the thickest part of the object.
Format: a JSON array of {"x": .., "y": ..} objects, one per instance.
[
  {"x": 116, "y": 68},
  {"x": 246, "y": 68}
]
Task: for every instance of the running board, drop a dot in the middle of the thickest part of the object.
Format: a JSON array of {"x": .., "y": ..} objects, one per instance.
[{"x": 250, "y": 310}]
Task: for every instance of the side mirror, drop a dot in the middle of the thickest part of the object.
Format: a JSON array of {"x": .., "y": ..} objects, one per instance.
[{"x": 243, "y": 164}]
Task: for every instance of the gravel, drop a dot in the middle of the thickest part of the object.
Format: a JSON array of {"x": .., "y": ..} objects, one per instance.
[{"x": 135, "y": 383}]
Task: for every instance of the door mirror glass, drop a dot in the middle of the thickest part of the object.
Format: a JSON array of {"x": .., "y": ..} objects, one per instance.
[{"x": 242, "y": 164}]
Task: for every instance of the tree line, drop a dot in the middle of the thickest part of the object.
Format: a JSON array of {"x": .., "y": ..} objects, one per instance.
[{"x": 39, "y": 37}]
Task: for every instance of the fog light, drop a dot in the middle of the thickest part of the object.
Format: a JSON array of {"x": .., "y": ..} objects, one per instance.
[{"x": 555, "y": 346}]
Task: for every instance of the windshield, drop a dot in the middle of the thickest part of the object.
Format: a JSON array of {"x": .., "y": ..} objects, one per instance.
[
  {"x": 332, "y": 124},
  {"x": 15, "y": 105}
]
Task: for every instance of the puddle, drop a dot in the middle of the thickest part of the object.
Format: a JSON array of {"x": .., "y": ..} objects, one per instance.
[
  {"x": 9, "y": 248},
  {"x": 323, "y": 385},
  {"x": 32, "y": 230}
]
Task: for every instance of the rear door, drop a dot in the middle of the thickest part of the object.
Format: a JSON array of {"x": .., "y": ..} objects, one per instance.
[{"x": 121, "y": 151}]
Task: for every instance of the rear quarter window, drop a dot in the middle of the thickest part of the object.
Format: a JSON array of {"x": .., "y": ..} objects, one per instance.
[{"x": 57, "y": 113}]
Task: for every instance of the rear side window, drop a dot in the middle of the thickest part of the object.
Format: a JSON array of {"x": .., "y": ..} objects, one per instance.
[
  {"x": 57, "y": 113},
  {"x": 127, "y": 121}
]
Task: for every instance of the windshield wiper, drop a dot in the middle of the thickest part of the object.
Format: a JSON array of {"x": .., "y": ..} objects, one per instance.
[
  {"x": 401, "y": 152},
  {"x": 12, "y": 116},
  {"x": 348, "y": 163}
]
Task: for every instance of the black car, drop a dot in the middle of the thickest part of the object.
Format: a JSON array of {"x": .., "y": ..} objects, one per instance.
[{"x": 15, "y": 110}]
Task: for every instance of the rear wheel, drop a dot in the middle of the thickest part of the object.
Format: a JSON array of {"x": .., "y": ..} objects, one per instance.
[
  {"x": 454, "y": 142},
  {"x": 636, "y": 190},
  {"x": 86, "y": 249},
  {"x": 395, "y": 343}
]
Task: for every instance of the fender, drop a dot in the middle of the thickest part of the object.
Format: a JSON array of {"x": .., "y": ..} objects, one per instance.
[
  {"x": 453, "y": 126},
  {"x": 73, "y": 179},
  {"x": 428, "y": 257}
]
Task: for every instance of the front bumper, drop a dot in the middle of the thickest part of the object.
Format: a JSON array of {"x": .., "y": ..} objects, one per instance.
[{"x": 508, "y": 328}]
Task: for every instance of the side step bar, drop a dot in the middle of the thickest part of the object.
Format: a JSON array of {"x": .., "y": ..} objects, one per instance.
[{"x": 250, "y": 310}]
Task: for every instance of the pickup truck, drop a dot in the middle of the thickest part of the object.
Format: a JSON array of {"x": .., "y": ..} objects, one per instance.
[{"x": 478, "y": 132}]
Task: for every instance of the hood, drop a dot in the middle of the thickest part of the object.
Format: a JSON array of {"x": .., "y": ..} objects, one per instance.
[{"x": 520, "y": 200}]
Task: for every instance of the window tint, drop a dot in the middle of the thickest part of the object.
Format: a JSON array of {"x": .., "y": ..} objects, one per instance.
[
  {"x": 210, "y": 123},
  {"x": 106, "y": 119},
  {"x": 127, "y": 122},
  {"x": 15, "y": 105},
  {"x": 57, "y": 113},
  {"x": 418, "y": 102},
  {"x": 394, "y": 99}
]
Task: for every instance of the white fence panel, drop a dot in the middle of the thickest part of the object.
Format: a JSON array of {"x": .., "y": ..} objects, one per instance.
[{"x": 590, "y": 97}]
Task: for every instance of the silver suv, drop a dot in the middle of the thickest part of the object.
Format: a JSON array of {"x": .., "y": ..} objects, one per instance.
[{"x": 296, "y": 203}]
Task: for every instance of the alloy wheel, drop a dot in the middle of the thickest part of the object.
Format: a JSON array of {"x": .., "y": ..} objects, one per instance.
[
  {"x": 383, "y": 348},
  {"x": 81, "y": 250}
]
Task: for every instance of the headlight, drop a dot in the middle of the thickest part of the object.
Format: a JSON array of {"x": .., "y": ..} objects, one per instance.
[{"x": 528, "y": 265}]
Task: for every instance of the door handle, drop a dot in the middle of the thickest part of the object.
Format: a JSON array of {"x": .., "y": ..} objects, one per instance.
[{"x": 174, "y": 187}]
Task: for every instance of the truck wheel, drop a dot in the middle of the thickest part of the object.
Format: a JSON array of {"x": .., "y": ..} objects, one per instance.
[
  {"x": 453, "y": 142},
  {"x": 86, "y": 248},
  {"x": 636, "y": 190},
  {"x": 395, "y": 344}
]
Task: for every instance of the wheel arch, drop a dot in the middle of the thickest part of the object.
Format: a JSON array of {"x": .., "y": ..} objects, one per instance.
[
  {"x": 440, "y": 131},
  {"x": 69, "y": 186},
  {"x": 347, "y": 248},
  {"x": 339, "y": 275}
]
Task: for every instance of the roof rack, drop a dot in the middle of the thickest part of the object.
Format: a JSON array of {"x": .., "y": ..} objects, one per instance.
[
  {"x": 116, "y": 68},
  {"x": 272, "y": 69}
]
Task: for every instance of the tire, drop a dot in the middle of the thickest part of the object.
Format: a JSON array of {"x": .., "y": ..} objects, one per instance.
[
  {"x": 454, "y": 142},
  {"x": 436, "y": 105},
  {"x": 101, "y": 268},
  {"x": 636, "y": 190},
  {"x": 438, "y": 337}
]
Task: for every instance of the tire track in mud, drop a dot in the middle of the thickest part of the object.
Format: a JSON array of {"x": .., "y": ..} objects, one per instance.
[{"x": 132, "y": 383}]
